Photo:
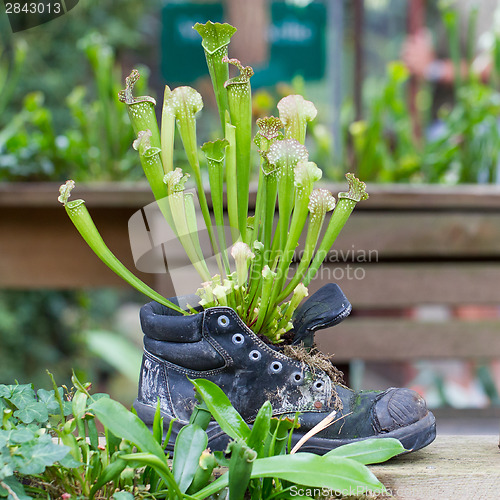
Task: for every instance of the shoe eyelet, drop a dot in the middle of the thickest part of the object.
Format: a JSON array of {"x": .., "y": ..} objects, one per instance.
[
  {"x": 275, "y": 367},
  {"x": 238, "y": 339},
  {"x": 297, "y": 377},
  {"x": 254, "y": 355},
  {"x": 223, "y": 321},
  {"x": 318, "y": 385}
]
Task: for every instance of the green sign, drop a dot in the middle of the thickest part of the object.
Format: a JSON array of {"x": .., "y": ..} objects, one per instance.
[{"x": 297, "y": 37}]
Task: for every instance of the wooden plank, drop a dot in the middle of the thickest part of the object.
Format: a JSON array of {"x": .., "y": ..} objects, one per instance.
[
  {"x": 44, "y": 194},
  {"x": 397, "y": 285},
  {"x": 422, "y": 235},
  {"x": 42, "y": 249},
  {"x": 431, "y": 197},
  {"x": 400, "y": 339},
  {"x": 39, "y": 247},
  {"x": 451, "y": 467},
  {"x": 382, "y": 196}
]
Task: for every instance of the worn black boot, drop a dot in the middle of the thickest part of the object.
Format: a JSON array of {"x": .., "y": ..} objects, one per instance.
[{"x": 216, "y": 345}]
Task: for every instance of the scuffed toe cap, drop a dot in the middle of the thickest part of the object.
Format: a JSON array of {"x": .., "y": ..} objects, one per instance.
[{"x": 397, "y": 408}]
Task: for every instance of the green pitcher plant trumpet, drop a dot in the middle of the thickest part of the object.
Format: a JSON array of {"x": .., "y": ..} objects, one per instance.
[
  {"x": 256, "y": 274},
  {"x": 79, "y": 215}
]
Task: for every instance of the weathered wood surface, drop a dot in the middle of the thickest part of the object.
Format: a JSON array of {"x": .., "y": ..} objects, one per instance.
[
  {"x": 453, "y": 467},
  {"x": 422, "y": 235},
  {"x": 396, "y": 285},
  {"x": 399, "y": 339},
  {"x": 382, "y": 196},
  {"x": 430, "y": 245},
  {"x": 40, "y": 248}
]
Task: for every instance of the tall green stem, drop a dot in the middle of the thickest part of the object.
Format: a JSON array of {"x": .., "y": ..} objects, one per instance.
[
  {"x": 184, "y": 103},
  {"x": 284, "y": 155},
  {"x": 231, "y": 180},
  {"x": 83, "y": 222},
  {"x": 345, "y": 206},
  {"x": 215, "y": 39},
  {"x": 214, "y": 152},
  {"x": 167, "y": 133},
  {"x": 320, "y": 202},
  {"x": 269, "y": 132},
  {"x": 151, "y": 163},
  {"x": 268, "y": 277},
  {"x": 240, "y": 110},
  {"x": 306, "y": 174},
  {"x": 184, "y": 230}
]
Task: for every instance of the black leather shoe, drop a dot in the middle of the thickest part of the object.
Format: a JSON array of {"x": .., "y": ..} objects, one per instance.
[{"x": 216, "y": 345}]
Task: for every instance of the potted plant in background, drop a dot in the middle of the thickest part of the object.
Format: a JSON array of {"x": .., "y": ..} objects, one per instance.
[{"x": 247, "y": 329}]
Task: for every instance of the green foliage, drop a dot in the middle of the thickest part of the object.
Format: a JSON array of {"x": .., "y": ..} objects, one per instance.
[
  {"x": 57, "y": 328},
  {"x": 269, "y": 473},
  {"x": 463, "y": 148},
  {"x": 96, "y": 144},
  {"x": 25, "y": 445},
  {"x": 49, "y": 445},
  {"x": 383, "y": 145},
  {"x": 33, "y": 464},
  {"x": 53, "y": 63},
  {"x": 467, "y": 149},
  {"x": 257, "y": 290}
]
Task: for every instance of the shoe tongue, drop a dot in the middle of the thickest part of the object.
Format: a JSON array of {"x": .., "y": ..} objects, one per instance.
[{"x": 327, "y": 307}]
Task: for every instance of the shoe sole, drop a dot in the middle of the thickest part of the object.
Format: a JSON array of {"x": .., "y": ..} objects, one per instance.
[{"x": 413, "y": 437}]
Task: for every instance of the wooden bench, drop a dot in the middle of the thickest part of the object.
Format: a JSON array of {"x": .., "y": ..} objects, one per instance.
[
  {"x": 427, "y": 245},
  {"x": 437, "y": 246}
]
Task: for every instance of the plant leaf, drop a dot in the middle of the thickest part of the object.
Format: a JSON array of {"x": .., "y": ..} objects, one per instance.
[
  {"x": 357, "y": 189},
  {"x": 21, "y": 434},
  {"x": 19, "y": 395},
  {"x": 123, "y": 495},
  {"x": 83, "y": 222},
  {"x": 115, "y": 350},
  {"x": 16, "y": 487},
  {"x": 215, "y": 150},
  {"x": 295, "y": 112},
  {"x": 34, "y": 411},
  {"x": 221, "y": 409},
  {"x": 307, "y": 469},
  {"x": 49, "y": 400},
  {"x": 261, "y": 427},
  {"x": 124, "y": 424},
  {"x": 191, "y": 441},
  {"x": 214, "y": 35},
  {"x": 369, "y": 451},
  {"x": 44, "y": 453}
]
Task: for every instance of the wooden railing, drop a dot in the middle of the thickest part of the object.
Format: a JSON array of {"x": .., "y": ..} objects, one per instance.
[{"x": 411, "y": 246}]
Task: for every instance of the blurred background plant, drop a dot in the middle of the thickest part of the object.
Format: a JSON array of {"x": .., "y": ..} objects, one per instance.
[
  {"x": 67, "y": 330},
  {"x": 51, "y": 126},
  {"x": 461, "y": 146},
  {"x": 95, "y": 144},
  {"x": 383, "y": 145}
]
